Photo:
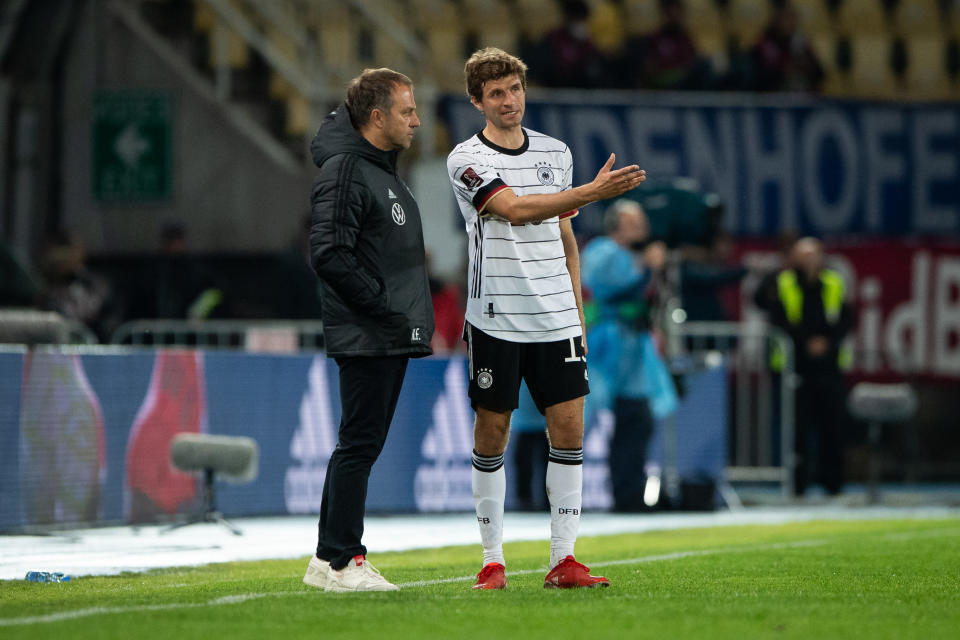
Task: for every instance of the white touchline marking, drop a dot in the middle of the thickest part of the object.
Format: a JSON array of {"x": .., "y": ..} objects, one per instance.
[
  {"x": 244, "y": 597},
  {"x": 675, "y": 555}
]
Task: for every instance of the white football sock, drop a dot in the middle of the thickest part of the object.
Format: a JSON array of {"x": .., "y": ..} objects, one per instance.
[
  {"x": 489, "y": 481},
  {"x": 565, "y": 492}
]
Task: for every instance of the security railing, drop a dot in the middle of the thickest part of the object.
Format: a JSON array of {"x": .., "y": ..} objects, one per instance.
[
  {"x": 283, "y": 336},
  {"x": 762, "y": 399}
]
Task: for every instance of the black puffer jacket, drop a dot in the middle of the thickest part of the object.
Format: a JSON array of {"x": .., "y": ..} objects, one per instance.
[{"x": 366, "y": 245}]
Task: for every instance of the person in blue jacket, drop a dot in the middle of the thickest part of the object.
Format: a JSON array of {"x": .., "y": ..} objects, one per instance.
[{"x": 620, "y": 270}]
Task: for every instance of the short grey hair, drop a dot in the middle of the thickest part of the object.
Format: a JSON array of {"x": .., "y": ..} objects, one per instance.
[
  {"x": 372, "y": 89},
  {"x": 611, "y": 218}
]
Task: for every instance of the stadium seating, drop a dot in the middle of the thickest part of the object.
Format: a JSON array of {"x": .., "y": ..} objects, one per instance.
[
  {"x": 861, "y": 18},
  {"x": 642, "y": 16},
  {"x": 871, "y": 75},
  {"x": 537, "y": 17},
  {"x": 917, "y": 18},
  {"x": 815, "y": 18},
  {"x": 747, "y": 19},
  {"x": 492, "y": 23},
  {"x": 448, "y": 30},
  {"x": 927, "y": 70}
]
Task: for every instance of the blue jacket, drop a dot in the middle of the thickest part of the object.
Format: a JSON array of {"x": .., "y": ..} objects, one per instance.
[{"x": 623, "y": 360}]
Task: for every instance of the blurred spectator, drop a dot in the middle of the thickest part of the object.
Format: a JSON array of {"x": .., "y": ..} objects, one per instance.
[
  {"x": 531, "y": 450},
  {"x": 177, "y": 287},
  {"x": 620, "y": 270},
  {"x": 75, "y": 292},
  {"x": 300, "y": 298},
  {"x": 668, "y": 56},
  {"x": 783, "y": 59},
  {"x": 812, "y": 308},
  {"x": 568, "y": 56},
  {"x": 609, "y": 33},
  {"x": 704, "y": 273},
  {"x": 448, "y": 310},
  {"x": 18, "y": 287}
]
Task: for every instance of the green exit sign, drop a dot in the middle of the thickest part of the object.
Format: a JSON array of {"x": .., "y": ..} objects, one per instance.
[{"x": 132, "y": 156}]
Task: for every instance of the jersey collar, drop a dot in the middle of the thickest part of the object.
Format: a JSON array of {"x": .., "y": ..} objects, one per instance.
[{"x": 510, "y": 152}]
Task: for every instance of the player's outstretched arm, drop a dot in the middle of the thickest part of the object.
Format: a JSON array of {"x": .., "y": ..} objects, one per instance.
[{"x": 609, "y": 183}]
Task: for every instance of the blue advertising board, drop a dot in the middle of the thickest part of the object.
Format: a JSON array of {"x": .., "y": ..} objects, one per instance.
[
  {"x": 85, "y": 437},
  {"x": 821, "y": 167}
]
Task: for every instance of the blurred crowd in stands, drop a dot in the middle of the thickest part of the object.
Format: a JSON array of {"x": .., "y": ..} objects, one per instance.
[{"x": 593, "y": 50}]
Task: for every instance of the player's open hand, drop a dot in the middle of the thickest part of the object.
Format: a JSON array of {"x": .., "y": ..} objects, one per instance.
[{"x": 610, "y": 183}]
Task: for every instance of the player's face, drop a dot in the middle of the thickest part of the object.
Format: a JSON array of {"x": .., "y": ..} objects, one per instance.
[
  {"x": 401, "y": 120},
  {"x": 503, "y": 102}
]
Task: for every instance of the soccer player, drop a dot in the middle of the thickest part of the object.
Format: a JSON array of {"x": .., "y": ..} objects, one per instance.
[{"x": 524, "y": 315}]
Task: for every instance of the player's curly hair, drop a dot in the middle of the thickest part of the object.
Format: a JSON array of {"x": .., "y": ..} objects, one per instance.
[
  {"x": 491, "y": 64},
  {"x": 372, "y": 89}
]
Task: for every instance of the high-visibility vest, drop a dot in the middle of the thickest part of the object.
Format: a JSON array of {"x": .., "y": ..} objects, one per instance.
[{"x": 832, "y": 292}]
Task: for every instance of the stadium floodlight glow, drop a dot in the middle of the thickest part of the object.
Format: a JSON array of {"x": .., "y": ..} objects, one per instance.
[{"x": 651, "y": 492}]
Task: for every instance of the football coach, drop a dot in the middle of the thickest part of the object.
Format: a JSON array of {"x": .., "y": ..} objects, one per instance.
[{"x": 366, "y": 246}]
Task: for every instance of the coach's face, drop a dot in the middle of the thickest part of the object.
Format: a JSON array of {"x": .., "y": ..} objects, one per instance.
[
  {"x": 503, "y": 102},
  {"x": 400, "y": 122}
]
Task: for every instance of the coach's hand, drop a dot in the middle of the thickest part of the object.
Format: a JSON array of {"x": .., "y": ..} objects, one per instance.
[{"x": 610, "y": 184}]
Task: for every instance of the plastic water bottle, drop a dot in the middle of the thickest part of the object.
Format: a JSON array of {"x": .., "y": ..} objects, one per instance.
[{"x": 46, "y": 576}]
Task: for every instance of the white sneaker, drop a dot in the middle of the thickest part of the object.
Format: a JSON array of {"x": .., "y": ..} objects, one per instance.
[
  {"x": 358, "y": 575},
  {"x": 318, "y": 573}
]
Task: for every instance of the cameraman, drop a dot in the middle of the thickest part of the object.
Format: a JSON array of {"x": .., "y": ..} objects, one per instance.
[{"x": 622, "y": 270}]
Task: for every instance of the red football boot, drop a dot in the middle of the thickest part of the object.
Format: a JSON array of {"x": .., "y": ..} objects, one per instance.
[
  {"x": 570, "y": 574},
  {"x": 492, "y": 576}
]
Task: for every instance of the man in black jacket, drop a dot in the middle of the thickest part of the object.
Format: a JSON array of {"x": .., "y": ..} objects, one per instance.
[{"x": 366, "y": 246}]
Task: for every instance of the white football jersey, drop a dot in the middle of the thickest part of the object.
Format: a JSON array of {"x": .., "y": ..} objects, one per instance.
[{"x": 518, "y": 286}]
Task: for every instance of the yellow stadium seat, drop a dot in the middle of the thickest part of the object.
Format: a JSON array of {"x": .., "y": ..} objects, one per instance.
[
  {"x": 237, "y": 51},
  {"x": 641, "y": 16},
  {"x": 748, "y": 19},
  {"x": 834, "y": 82},
  {"x": 298, "y": 115},
  {"x": 537, "y": 17},
  {"x": 204, "y": 17},
  {"x": 952, "y": 18},
  {"x": 862, "y": 17},
  {"x": 608, "y": 26},
  {"x": 279, "y": 88},
  {"x": 702, "y": 16},
  {"x": 493, "y": 23},
  {"x": 337, "y": 32},
  {"x": 814, "y": 17},
  {"x": 926, "y": 67},
  {"x": 447, "y": 55},
  {"x": 870, "y": 75},
  {"x": 917, "y": 17},
  {"x": 824, "y": 47}
]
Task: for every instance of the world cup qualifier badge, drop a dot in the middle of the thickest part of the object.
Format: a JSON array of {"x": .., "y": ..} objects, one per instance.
[{"x": 544, "y": 173}]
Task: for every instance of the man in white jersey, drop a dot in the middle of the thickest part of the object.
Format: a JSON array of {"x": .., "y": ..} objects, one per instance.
[{"x": 524, "y": 313}]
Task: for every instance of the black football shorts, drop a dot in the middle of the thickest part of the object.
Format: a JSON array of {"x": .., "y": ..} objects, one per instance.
[{"x": 555, "y": 371}]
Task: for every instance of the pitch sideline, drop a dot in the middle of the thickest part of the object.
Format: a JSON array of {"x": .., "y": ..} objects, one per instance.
[{"x": 244, "y": 597}]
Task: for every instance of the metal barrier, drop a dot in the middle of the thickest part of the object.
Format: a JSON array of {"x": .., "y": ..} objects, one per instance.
[
  {"x": 762, "y": 415},
  {"x": 285, "y": 336},
  {"x": 32, "y": 326}
]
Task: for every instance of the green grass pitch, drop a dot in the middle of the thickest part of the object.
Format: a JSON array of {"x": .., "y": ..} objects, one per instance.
[{"x": 843, "y": 579}]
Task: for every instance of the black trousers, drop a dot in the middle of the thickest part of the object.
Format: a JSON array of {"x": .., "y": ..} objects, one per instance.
[
  {"x": 819, "y": 441},
  {"x": 369, "y": 389},
  {"x": 632, "y": 429}
]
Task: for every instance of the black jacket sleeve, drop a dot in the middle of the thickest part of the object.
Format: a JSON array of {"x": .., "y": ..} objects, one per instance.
[{"x": 338, "y": 211}]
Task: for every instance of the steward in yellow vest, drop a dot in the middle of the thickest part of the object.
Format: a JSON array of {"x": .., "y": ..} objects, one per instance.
[{"x": 812, "y": 309}]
